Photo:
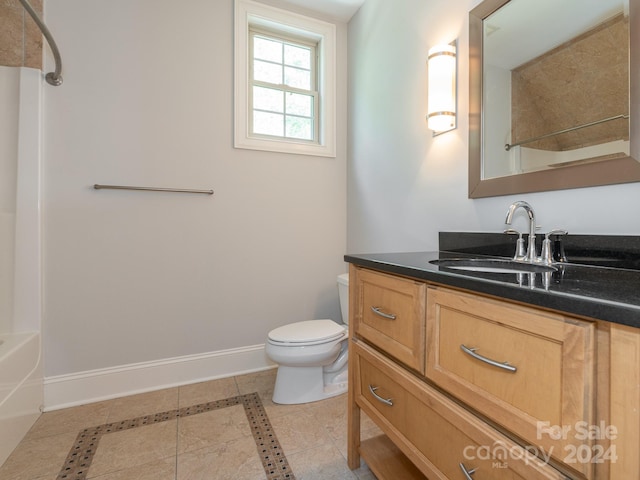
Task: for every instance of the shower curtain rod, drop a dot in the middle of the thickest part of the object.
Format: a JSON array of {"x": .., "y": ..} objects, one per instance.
[
  {"x": 509, "y": 146},
  {"x": 52, "y": 78}
]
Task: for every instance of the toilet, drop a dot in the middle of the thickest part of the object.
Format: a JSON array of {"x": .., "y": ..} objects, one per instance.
[{"x": 311, "y": 356}]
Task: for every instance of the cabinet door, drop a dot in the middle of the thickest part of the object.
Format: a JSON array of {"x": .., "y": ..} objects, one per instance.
[
  {"x": 531, "y": 372},
  {"x": 390, "y": 313},
  {"x": 441, "y": 438}
]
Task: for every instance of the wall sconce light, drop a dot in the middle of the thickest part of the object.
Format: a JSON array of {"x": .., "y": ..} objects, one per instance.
[{"x": 441, "y": 110}]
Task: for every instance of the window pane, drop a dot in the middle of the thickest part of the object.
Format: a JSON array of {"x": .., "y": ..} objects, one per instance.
[
  {"x": 297, "y": 78},
  {"x": 268, "y": 123},
  {"x": 267, "y": 49},
  {"x": 268, "y": 99},
  {"x": 299, "y": 128},
  {"x": 283, "y": 83},
  {"x": 298, "y": 104},
  {"x": 297, "y": 56},
  {"x": 267, "y": 72}
]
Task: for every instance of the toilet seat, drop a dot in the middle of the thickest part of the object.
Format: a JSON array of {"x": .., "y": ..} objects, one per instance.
[{"x": 307, "y": 333}]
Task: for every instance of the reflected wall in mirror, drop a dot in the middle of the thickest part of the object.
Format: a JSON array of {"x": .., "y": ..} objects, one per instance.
[{"x": 550, "y": 100}]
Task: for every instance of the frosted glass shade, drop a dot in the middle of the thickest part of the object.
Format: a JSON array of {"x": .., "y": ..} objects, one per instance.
[{"x": 441, "y": 112}]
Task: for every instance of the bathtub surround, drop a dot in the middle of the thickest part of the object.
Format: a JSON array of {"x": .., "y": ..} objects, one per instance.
[
  {"x": 21, "y": 368},
  {"x": 21, "y": 371},
  {"x": 9, "y": 86}
]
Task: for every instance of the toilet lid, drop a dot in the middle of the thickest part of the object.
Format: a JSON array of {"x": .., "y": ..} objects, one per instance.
[{"x": 315, "y": 331}]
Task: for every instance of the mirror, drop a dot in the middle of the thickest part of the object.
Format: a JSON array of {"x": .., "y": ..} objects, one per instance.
[{"x": 550, "y": 106}]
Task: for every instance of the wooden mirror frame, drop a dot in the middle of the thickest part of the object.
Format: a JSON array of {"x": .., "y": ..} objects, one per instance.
[{"x": 621, "y": 170}]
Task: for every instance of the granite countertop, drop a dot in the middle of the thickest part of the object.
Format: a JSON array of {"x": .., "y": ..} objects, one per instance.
[{"x": 593, "y": 288}]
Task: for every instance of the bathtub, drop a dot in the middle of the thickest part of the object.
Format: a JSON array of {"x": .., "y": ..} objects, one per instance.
[{"x": 20, "y": 388}]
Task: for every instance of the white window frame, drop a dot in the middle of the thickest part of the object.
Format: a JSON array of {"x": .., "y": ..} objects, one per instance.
[{"x": 249, "y": 13}]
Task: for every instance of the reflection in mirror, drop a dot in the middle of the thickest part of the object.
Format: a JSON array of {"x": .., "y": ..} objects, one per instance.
[
  {"x": 569, "y": 80},
  {"x": 549, "y": 98}
]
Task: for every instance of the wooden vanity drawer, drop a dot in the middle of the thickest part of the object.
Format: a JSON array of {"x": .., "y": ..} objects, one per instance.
[
  {"x": 390, "y": 313},
  {"x": 437, "y": 435},
  {"x": 383, "y": 394},
  {"x": 527, "y": 370}
]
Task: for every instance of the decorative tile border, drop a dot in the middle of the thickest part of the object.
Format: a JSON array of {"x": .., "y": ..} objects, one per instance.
[{"x": 276, "y": 467}]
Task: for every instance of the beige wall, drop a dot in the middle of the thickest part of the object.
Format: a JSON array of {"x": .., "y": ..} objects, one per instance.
[
  {"x": 406, "y": 185},
  {"x": 20, "y": 38},
  {"x": 136, "y": 276}
]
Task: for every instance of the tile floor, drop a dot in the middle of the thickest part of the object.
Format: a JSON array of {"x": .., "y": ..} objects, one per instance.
[{"x": 162, "y": 436}]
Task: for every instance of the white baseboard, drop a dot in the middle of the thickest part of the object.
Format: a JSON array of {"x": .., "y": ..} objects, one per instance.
[{"x": 91, "y": 386}]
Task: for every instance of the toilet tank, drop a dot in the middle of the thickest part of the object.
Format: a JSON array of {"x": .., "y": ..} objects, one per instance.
[{"x": 343, "y": 292}]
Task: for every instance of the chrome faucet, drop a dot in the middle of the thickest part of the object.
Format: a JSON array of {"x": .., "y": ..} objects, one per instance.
[{"x": 531, "y": 255}]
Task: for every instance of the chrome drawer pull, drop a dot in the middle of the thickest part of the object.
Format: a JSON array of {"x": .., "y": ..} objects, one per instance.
[
  {"x": 503, "y": 365},
  {"x": 467, "y": 473},
  {"x": 377, "y": 311},
  {"x": 386, "y": 401}
]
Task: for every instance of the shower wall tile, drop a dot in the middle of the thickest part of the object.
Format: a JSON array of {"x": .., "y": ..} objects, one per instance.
[
  {"x": 551, "y": 92},
  {"x": 33, "y": 38},
  {"x": 11, "y": 33},
  {"x": 20, "y": 38}
]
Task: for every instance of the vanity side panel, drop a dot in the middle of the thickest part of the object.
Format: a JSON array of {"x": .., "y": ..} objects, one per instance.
[
  {"x": 625, "y": 400},
  {"x": 353, "y": 411}
]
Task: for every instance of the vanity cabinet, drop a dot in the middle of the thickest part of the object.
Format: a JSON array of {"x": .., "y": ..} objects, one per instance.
[{"x": 470, "y": 387}]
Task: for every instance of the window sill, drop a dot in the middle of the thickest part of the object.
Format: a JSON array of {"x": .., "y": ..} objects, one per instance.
[{"x": 284, "y": 146}]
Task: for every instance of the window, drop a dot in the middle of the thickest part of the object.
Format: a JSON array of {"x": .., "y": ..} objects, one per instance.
[
  {"x": 285, "y": 81},
  {"x": 283, "y": 92}
]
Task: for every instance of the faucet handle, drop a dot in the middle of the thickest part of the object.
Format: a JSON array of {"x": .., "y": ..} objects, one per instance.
[
  {"x": 547, "y": 253},
  {"x": 555, "y": 232},
  {"x": 520, "y": 253},
  {"x": 557, "y": 252}
]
